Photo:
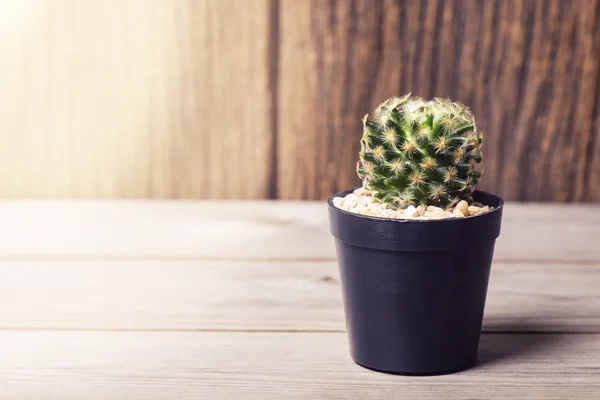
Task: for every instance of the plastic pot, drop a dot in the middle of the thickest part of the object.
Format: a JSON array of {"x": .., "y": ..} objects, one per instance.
[{"x": 414, "y": 291}]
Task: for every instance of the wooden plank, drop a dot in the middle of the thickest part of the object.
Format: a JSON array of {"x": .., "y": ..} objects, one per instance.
[
  {"x": 254, "y": 296},
  {"x": 238, "y": 230},
  {"x": 528, "y": 69},
  {"x": 539, "y": 297},
  {"x": 168, "y": 295},
  {"x": 150, "y": 365},
  {"x": 134, "y": 99},
  {"x": 134, "y": 229}
]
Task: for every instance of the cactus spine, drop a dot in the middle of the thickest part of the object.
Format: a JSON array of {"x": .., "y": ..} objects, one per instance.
[{"x": 418, "y": 152}]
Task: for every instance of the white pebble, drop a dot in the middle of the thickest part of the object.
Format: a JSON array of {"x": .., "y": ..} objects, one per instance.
[
  {"x": 410, "y": 212},
  {"x": 361, "y": 201},
  {"x": 398, "y": 214},
  {"x": 438, "y": 210},
  {"x": 457, "y": 213},
  {"x": 463, "y": 207},
  {"x": 474, "y": 210}
]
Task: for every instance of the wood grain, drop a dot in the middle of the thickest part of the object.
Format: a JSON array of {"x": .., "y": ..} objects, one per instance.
[
  {"x": 134, "y": 99},
  {"x": 257, "y": 230},
  {"x": 165, "y": 299},
  {"x": 255, "y": 296},
  {"x": 151, "y": 365},
  {"x": 528, "y": 69},
  {"x": 189, "y": 99}
]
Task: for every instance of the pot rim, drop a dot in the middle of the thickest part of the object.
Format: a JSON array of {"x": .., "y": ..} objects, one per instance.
[{"x": 342, "y": 193}]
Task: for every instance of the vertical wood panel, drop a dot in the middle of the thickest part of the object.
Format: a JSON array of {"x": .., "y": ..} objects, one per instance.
[
  {"x": 592, "y": 69},
  {"x": 528, "y": 69},
  {"x": 134, "y": 98},
  {"x": 263, "y": 98},
  {"x": 329, "y": 61}
]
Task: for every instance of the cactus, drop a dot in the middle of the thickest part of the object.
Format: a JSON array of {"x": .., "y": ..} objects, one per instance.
[{"x": 418, "y": 152}]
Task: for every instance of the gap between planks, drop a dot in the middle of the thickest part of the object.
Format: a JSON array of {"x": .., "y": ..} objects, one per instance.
[
  {"x": 136, "y": 258},
  {"x": 261, "y": 330}
]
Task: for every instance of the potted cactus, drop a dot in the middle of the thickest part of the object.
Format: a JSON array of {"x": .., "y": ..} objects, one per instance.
[{"x": 415, "y": 242}]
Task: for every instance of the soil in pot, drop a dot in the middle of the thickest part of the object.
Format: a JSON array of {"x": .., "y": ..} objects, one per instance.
[{"x": 361, "y": 201}]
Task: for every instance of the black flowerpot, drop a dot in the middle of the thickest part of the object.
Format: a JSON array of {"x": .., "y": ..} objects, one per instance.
[{"x": 414, "y": 290}]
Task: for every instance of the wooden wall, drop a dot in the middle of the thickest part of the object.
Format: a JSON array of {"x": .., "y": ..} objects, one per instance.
[{"x": 263, "y": 98}]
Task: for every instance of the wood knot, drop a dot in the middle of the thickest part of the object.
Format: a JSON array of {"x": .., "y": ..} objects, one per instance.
[{"x": 328, "y": 279}]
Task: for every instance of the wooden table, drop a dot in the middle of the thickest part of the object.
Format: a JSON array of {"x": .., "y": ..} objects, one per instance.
[{"x": 241, "y": 300}]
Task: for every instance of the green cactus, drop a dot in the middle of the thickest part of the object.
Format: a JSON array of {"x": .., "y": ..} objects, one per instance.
[{"x": 419, "y": 152}]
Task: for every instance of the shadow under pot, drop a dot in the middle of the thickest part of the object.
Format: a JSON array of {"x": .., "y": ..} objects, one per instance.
[{"x": 414, "y": 291}]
